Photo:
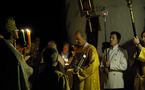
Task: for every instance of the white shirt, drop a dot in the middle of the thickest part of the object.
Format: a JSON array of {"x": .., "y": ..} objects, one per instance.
[{"x": 86, "y": 44}]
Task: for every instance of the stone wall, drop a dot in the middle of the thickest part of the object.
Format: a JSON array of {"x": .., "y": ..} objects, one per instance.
[{"x": 118, "y": 19}]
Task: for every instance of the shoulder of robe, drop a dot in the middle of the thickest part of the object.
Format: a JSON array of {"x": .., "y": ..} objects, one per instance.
[{"x": 121, "y": 49}]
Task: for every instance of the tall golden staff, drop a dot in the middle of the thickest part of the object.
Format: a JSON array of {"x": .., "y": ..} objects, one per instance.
[
  {"x": 131, "y": 13},
  {"x": 105, "y": 13},
  {"x": 136, "y": 62}
]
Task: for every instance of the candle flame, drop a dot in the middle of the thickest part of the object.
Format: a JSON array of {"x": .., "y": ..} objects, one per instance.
[
  {"x": 27, "y": 30},
  {"x": 22, "y": 30}
]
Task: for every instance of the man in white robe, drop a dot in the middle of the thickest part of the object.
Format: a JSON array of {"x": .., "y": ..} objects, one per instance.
[{"x": 116, "y": 63}]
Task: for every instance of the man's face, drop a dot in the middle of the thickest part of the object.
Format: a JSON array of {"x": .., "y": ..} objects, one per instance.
[
  {"x": 16, "y": 36},
  {"x": 65, "y": 48},
  {"x": 80, "y": 40},
  {"x": 74, "y": 52},
  {"x": 113, "y": 40},
  {"x": 32, "y": 46},
  {"x": 17, "y": 47},
  {"x": 37, "y": 41}
]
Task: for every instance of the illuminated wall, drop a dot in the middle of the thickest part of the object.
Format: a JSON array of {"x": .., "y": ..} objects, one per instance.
[{"x": 118, "y": 19}]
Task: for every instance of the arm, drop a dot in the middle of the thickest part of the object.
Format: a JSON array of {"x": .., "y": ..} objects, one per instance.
[
  {"x": 60, "y": 59},
  {"x": 104, "y": 67},
  {"x": 121, "y": 62},
  {"x": 92, "y": 66},
  {"x": 137, "y": 42},
  {"x": 63, "y": 83},
  {"x": 103, "y": 61},
  {"x": 141, "y": 56}
]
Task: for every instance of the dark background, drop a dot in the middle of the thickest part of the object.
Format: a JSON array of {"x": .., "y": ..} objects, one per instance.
[{"x": 46, "y": 20}]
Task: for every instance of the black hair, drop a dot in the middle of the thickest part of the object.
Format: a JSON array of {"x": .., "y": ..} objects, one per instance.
[
  {"x": 33, "y": 41},
  {"x": 105, "y": 43},
  {"x": 50, "y": 55},
  {"x": 53, "y": 42},
  {"x": 117, "y": 34},
  {"x": 142, "y": 33},
  {"x": 65, "y": 43}
]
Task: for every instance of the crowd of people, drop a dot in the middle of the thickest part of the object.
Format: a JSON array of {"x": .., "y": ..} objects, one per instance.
[{"x": 29, "y": 68}]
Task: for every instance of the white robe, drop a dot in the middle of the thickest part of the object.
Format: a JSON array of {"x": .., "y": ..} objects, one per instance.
[{"x": 117, "y": 57}]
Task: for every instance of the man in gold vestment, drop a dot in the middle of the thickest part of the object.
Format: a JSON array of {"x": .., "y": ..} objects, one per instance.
[
  {"x": 87, "y": 77},
  {"x": 139, "y": 83}
]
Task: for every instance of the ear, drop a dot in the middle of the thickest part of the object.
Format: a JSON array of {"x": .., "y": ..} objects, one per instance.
[
  {"x": 12, "y": 33},
  {"x": 84, "y": 37},
  {"x": 118, "y": 41},
  {"x": 57, "y": 59}
]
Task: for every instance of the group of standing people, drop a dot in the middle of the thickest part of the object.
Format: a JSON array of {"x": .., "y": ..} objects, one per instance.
[{"x": 21, "y": 71}]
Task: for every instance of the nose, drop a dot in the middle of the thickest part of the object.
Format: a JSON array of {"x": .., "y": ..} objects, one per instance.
[
  {"x": 110, "y": 39},
  {"x": 76, "y": 41},
  {"x": 143, "y": 38}
]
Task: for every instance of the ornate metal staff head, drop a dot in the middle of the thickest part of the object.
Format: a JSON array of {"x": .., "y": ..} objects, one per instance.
[{"x": 129, "y": 3}]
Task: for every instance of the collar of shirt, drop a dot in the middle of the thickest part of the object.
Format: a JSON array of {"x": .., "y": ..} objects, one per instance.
[
  {"x": 10, "y": 41},
  {"x": 86, "y": 44},
  {"x": 113, "y": 48},
  {"x": 65, "y": 56}
]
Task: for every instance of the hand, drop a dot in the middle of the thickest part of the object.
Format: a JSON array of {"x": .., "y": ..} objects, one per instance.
[
  {"x": 135, "y": 40},
  {"x": 75, "y": 73},
  {"x": 107, "y": 63},
  {"x": 66, "y": 61},
  {"x": 106, "y": 70}
]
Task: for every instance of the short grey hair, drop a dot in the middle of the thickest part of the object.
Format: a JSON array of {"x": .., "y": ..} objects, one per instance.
[
  {"x": 83, "y": 33},
  {"x": 50, "y": 55},
  {"x": 52, "y": 43}
]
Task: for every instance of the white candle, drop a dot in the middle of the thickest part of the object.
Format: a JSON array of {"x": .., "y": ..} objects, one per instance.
[
  {"x": 66, "y": 62},
  {"x": 63, "y": 57}
]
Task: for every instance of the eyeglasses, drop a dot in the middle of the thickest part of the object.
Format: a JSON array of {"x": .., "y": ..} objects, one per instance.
[{"x": 16, "y": 30}]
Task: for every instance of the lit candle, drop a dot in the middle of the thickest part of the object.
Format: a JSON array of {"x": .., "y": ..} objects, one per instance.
[
  {"x": 23, "y": 35},
  {"x": 29, "y": 37},
  {"x": 66, "y": 62},
  {"x": 63, "y": 57}
]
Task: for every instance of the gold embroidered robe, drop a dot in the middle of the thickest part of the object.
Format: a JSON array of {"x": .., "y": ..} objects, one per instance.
[
  {"x": 88, "y": 75},
  {"x": 139, "y": 83}
]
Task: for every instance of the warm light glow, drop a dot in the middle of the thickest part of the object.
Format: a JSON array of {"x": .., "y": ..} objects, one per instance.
[
  {"x": 23, "y": 35},
  {"x": 104, "y": 14},
  {"x": 84, "y": 56},
  {"x": 29, "y": 37},
  {"x": 66, "y": 60},
  {"x": 27, "y": 30},
  {"x": 22, "y": 30}
]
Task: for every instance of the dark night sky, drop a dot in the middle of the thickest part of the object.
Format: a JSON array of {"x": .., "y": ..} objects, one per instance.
[{"x": 45, "y": 19}]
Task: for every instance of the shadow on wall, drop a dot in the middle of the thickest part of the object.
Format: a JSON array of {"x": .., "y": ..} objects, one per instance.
[
  {"x": 131, "y": 49},
  {"x": 129, "y": 75}
]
